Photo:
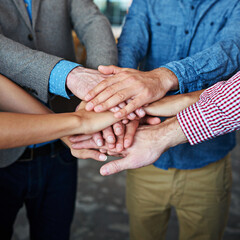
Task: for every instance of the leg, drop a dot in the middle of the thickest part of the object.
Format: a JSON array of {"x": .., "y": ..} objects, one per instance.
[
  {"x": 147, "y": 195},
  {"x": 50, "y": 212},
  {"x": 12, "y": 187},
  {"x": 203, "y": 210}
]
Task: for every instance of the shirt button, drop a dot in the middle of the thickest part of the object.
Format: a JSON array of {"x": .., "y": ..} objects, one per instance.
[
  {"x": 212, "y": 23},
  {"x": 192, "y": 7},
  {"x": 30, "y": 37},
  {"x": 158, "y": 24},
  {"x": 186, "y": 32}
]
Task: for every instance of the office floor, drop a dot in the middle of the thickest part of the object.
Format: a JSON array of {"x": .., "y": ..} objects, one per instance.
[{"x": 101, "y": 213}]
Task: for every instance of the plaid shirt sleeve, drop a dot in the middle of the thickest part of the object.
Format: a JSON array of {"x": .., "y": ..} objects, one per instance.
[{"x": 216, "y": 113}]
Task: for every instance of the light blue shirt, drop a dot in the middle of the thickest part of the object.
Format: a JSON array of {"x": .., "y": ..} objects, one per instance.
[{"x": 199, "y": 40}]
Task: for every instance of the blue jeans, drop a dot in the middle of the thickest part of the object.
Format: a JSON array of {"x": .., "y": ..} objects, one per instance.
[{"x": 47, "y": 187}]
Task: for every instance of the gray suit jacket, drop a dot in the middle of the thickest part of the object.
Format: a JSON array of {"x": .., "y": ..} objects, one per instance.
[{"x": 29, "y": 51}]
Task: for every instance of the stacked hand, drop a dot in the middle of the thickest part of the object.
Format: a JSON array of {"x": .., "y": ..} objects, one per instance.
[{"x": 127, "y": 90}]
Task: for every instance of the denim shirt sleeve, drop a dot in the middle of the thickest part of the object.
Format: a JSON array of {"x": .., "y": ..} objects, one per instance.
[
  {"x": 58, "y": 76},
  {"x": 133, "y": 42},
  {"x": 216, "y": 63}
]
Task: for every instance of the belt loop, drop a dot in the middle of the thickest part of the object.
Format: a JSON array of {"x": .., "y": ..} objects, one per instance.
[{"x": 30, "y": 158}]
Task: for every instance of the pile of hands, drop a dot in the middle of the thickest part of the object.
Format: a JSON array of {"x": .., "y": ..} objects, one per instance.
[{"x": 137, "y": 136}]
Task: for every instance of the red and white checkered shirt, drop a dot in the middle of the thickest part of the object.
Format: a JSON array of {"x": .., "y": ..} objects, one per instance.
[{"x": 216, "y": 113}]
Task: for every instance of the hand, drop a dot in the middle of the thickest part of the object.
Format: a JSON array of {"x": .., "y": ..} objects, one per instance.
[
  {"x": 172, "y": 105},
  {"x": 122, "y": 141},
  {"x": 125, "y": 84},
  {"x": 108, "y": 134},
  {"x": 149, "y": 143},
  {"x": 81, "y": 80},
  {"x": 85, "y": 153},
  {"x": 91, "y": 122}
]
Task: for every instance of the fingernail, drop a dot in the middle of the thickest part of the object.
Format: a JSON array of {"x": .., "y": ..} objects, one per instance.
[
  {"x": 102, "y": 157},
  {"x": 98, "y": 108},
  {"x": 132, "y": 115},
  {"x": 119, "y": 147},
  {"x": 87, "y": 97},
  {"x": 89, "y": 106},
  {"x": 104, "y": 171},
  {"x": 118, "y": 130},
  {"x": 99, "y": 142},
  {"x": 141, "y": 112},
  {"x": 110, "y": 139},
  {"x": 118, "y": 114},
  {"x": 126, "y": 143}
]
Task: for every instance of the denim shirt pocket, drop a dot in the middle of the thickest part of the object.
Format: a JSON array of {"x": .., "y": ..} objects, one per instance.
[{"x": 162, "y": 41}]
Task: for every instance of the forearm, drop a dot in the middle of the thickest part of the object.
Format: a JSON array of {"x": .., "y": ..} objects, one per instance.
[
  {"x": 194, "y": 73},
  {"x": 19, "y": 63},
  {"x": 216, "y": 113},
  {"x": 24, "y": 129},
  {"x": 15, "y": 99},
  {"x": 171, "y": 105}
]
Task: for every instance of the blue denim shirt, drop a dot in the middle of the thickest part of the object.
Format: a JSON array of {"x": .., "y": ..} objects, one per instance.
[{"x": 199, "y": 40}]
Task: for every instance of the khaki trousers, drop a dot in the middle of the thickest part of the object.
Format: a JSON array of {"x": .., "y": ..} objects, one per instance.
[{"x": 201, "y": 198}]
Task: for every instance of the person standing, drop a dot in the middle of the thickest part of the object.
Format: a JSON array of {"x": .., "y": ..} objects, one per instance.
[{"x": 37, "y": 53}]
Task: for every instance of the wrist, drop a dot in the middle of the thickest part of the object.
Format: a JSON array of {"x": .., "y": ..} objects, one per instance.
[
  {"x": 71, "y": 124},
  {"x": 173, "y": 133},
  {"x": 168, "y": 78},
  {"x": 73, "y": 77}
]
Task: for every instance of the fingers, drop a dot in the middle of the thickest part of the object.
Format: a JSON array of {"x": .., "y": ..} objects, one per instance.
[
  {"x": 150, "y": 120},
  {"x": 109, "y": 69},
  {"x": 153, "y": 120},
  {"x": 98, "y": 139},
  {"x": 131, "y": 128},
  {"x": 118, "y": 128},
  {"x": 114, "y": 166},
  {"x": 108, "y": 135},
  {"x": 90, "y": 143},
  {"x": 102, "y": 86},
  {"x": 79, "y": 138},
  {"x": 140, "y": 112},
  {"x": 87, "y": 153},
  {"x": 130, "y": 107},
  {"x": 119, "y": 143},
  {"x": 109, "y": 96}
]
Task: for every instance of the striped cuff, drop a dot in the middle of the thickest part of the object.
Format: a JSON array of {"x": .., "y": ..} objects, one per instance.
[{"x": 194, "y": 124}]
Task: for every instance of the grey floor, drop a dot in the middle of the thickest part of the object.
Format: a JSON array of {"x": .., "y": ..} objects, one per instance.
[{"x": 101, "y": 213}]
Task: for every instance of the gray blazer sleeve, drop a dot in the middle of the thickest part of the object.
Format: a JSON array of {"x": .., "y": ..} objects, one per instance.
[
  {"x": 94, "y": 31},
  {"x": 29, "y": 68}
]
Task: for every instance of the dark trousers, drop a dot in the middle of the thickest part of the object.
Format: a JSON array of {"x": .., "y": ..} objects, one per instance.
[{"x": 47, "y": 187}]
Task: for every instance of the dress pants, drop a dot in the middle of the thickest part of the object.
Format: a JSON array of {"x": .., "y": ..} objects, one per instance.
[
  {"x": 47, "y": 187},
  {"x": 201, "y": 198}
]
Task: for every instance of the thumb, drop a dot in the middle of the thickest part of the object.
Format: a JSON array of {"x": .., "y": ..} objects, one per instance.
[
  {"x": 115, "y": 166},
  {"x": 109, "y": 69},
  {"x": 150, "y": 120}
]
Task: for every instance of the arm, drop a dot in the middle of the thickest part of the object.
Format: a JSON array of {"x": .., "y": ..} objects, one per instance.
[
  {"x": 216, "y": 113},
  {"x": 17, "y": 63},
  {"x": 134, "y": 39},
  {"x": 94, "y": 31},
  {"x": 216, "y": 63},
  {"x": 199, "y": 71},
  {"x": 171, "y": 105},
  {"x": 23, "y": 129}
]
